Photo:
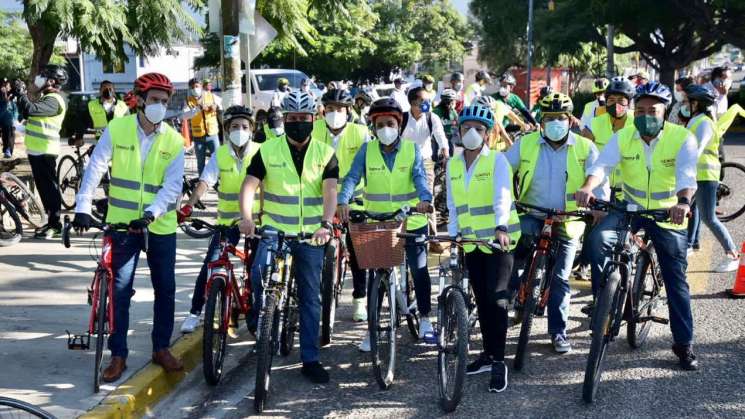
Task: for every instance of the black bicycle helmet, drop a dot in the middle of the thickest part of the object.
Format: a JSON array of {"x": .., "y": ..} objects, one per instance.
[
  {"x": 386, "y": 106},
  {"x": 237, "y": 111},
  {"x": 364, "y": 96},
  {"x": 483, "y": 75},
  {"x": 621, "y": 86},
  {"x": 654, "y": 90},
  {"x": 508, "y": 78},
  {"x": 55, "y": 72},
  {"x": 338, "y": 97},
  {"x": 457, "y": 76},
  {"x": 545, "y": 91},
  {"x": 702, "y": 94}
]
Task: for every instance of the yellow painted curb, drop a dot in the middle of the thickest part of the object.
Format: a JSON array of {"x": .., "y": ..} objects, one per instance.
[{"x": 134, "y": 397}]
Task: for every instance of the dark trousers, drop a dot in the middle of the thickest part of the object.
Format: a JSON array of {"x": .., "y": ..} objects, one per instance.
[
  {"x": 44, "y": 169},
  {"x": 161, "y": 258},
  {"x": 7, "y": 131},
  {"x": 489, "y": 275},
  {"x": 359, "y": 276}
]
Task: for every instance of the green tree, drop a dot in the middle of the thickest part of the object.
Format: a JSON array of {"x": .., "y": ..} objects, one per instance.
[
  {"x": 103, "y": 27},
  {"x": 15, "y": 42}
]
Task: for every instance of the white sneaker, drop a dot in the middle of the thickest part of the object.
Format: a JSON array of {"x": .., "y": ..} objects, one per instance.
[
  {"x": 364, "y": 346},
  {"x": 727, "y": 265},
  {"x": 689, "y": 252},
  {"x": 425, "y": 328},
  {"x": 359, "y": 310},
  {"x": 190, "y": 323}
]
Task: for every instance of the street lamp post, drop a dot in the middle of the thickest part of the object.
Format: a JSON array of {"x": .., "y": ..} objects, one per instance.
[{"x": 530, "y": 52}]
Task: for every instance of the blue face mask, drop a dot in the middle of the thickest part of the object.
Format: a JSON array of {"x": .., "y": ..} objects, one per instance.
[
  {"x": 685, "y": 111},
  {"x": 425, "y": 106}
]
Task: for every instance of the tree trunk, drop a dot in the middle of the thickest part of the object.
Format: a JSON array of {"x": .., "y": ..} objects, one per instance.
[
  {"x": 667, "y": 75},
  {"x": 43, "y": 37}
]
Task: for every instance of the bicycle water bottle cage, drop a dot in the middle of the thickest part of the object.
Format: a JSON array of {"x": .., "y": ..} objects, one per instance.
[{"x": 78, "y": 342}]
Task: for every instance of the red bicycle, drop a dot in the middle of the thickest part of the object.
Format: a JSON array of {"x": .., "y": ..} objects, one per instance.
[
  {"x": 228, "y": 297},
  {"x": 335, "y": 263},
  {"x": 100, "y": 296}
]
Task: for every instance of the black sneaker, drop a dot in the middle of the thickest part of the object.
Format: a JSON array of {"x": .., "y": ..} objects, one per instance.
[
  {"x": 481, "y": 364},
  {"x": 48, "y": 231},
  {"x": 687, "y": 359},
  {"x": 315, "y": 372},
  {"x": 498, "y": 382}
]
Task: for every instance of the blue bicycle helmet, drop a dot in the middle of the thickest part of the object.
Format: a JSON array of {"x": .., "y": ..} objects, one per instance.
[
  {"x": 655, "y": 90},
  {"x": 700, "y": 93},
  {"x": 477, "y": 113}
]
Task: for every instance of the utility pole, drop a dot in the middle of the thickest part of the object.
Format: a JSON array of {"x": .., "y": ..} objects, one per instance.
[
  {"x": 611, "y": 67},
  {"x": 530, "y": 52},
  {"x": 231, "y": 53}
]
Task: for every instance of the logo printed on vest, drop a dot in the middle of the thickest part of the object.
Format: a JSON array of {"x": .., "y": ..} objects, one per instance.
[
  {"x": 165, "y": 155},
  {"x": 125, "y": 148},
  {"x": 668, "y": 162},
  {"x": 481, "y": 176},
  {"x": 635, "y": 157},
  {"x": 278, "y": 165},
  {"x": 376, "y": 168}
]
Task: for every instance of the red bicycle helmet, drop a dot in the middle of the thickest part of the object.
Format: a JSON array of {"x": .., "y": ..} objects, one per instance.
[
  {"x": 149, "y": 81},
  {"x": 130, "y": 99}
]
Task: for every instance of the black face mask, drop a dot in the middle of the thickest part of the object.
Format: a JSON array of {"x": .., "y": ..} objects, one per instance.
[
  {"x": 106, "y": 94},
  {"x": 299, "y": 130}
]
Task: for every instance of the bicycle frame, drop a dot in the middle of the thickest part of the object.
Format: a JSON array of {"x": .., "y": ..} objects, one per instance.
[
  {"x": 104, "y": 267},
  {"x": 276, "y": 277},
  {"x": 223, "y": 267}
]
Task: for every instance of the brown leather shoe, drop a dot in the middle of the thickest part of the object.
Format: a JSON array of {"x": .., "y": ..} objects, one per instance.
[
  {"x": 167, "y": 361},
  {"x": 114, "y": 371}
]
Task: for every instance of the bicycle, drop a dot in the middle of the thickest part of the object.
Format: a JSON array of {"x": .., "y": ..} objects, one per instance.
[
  {"x": 730, "y": 204},
  {"x": 391, "y": 293},
  {"x": 187, "y": 189},
  {"x": 533, "y": 293},
  {"x": 14, "y": 408},
  {"x": 228, "y": 297},
  {"x": 100, "y": 295},
  {"x": 623, "y": 295},
  {"x": 335, "y": 263},
  {"x": 16, "y": 201},
  {"x": 279, "y": 310},
  {"x": 70, "y": 171}
]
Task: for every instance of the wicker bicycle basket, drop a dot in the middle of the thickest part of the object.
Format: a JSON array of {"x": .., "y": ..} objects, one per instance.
[{"x": 376, "y": 244}]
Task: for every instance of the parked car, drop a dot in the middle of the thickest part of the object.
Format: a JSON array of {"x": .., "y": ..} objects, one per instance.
[{"x": 264, "y": 83}]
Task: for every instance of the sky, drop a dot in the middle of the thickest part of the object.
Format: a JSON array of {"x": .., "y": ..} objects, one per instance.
[{"x": 461, "y": 5}]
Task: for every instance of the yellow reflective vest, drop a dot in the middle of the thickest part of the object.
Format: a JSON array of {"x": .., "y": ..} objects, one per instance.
[
  {"x": 203, "y": 123},
  {"x": 350, "y": 142},
  {"x": 602, "y": 129},
  {"x": 708, "y": 167},
  {"x": 98, "y": 113},
  {"x": 231, "y": 179},
  {"x": 43, "y": 132}
]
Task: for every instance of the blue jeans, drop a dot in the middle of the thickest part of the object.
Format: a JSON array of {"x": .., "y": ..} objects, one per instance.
[
  {"x": 201, "y": 145},
  {"x": 308, "y": 262},
  {"x": 161, "y": 257},
  {"x": 559, "y": 291},
  {"x": 416, "y": 259},
  {"x": 213, "y": 252},
  {"x": 670, "y": 246},
  {"x": 706, "y": 204}
]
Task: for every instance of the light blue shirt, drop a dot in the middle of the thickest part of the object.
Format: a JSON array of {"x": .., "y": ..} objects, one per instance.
[
  {"x": 358, "y": 169},
  {"x": 548, "y": 187}
]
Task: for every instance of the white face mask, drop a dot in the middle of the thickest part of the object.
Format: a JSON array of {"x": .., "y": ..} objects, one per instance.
[
  {"x": 196, "y": 92},
  {"x": 556, "y": 130},
  {"x": 155, "y": 112},
  {"x": 387, "y": 135},
  {"x": 240, "y": 137},
  {"x": 679, "y": 96},
  {"x": 40, "y": 81},
  {"x": 278, "y": 131},
  {"x": 336, "y": 120},
  {"x": 428, "y": 86},
  {"x": 503, "y": 92},
  {"x": 472, "y": 140},
  {"x": 458, "y": 87}
]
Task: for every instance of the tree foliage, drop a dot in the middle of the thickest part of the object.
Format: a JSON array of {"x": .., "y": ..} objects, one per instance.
[{"x": 15, "y": 43}]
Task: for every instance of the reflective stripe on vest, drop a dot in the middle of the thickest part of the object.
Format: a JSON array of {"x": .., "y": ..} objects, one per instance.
[
  {"x": 294, "y": 203},
  {"x": 349, "y": 144},
  {"x": 98, "y": 112},
  {"x": 655, "y": 188},
  {"x": 43, "y": 132},
  {"x": 577, "y": 155},
  {"x": 474, "y": 203},
  {"x": 389, "y": 190},
  {"x": 132, "y": 187},
  {"x": 708, "y": 167},
  {"x": 231, "y": 179}
]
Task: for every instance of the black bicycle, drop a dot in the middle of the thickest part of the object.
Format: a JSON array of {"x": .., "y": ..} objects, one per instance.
[
  {"x": 70, "y": 171},
  {"x": 730, "y": 203},
  {"x": 630, "y": 290},
  {"x": 14, "y": 408}
]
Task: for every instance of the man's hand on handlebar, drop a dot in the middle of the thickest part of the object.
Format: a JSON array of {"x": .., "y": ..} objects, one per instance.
[
  {"x": 342, "y": 211},
  {"x": 584, "y": 197},
  {"x": 503, "y": 239},
  {"x": 424, "y": 207},
  {"x": 184, "y": 213},
  {"x": 136, "y": 226},
  {"x": 81, "y": 222},
  {"x": 679, "y": 212},
  {"x": 321, "y": 236},
  {"x": 247, "y": 227}
]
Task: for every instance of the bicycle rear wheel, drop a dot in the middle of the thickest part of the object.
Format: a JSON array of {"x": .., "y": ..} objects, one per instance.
[
  {"x": 730, "y": 203},
  {"x": 602, "y": 320},
  {"x": 328, "y": 292},
  {"x": 382, "y": 319},
  {"x": 68, "y": 179},
  {"x": 11, "y": 229},
  {"x": 452, "y": 347},
  {"x": 100, "y": 325},
  {"x": 535, "y": 284},
  {"x": 644, "y": 294},
  {"x": 266, "y": 347},
  {"x": 215, "y": 330},
  {"x": 13, "y": 408},
  {"x": 31, "y": 208},
  {"x": 289, "y": 317}
]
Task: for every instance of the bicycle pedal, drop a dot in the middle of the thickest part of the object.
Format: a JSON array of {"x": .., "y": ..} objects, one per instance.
[
  {"x": 660, "y": 320},
  {"x": 78, "y": 342}
]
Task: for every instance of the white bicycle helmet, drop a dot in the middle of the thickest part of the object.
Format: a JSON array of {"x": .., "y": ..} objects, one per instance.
[{"x": 487, "y": 101}]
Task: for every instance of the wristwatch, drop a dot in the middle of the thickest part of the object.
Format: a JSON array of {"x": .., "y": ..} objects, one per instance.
[
  {"x": 327, "y": 225},
  {"x": 503, "y": 229},
  {"x": 684, "y": 200}
]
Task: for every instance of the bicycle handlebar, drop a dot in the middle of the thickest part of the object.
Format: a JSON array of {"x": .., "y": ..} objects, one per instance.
[
  {"x": 661, "y": 214},
  {"x": 357, "y": 216},
  {"x": 457, "y": 240},
  {"x": 67, "y": 226},
  {"x": 552, "y": 212}
]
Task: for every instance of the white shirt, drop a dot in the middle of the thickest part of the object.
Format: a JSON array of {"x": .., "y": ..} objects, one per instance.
[
  {"x": 704, "y": 132},
  {"x": 721, "y": 104},
  {"x": 501, "y": 179},
  {"x": 99, "y": 164},
  {"x": 417, "y": 131},
  {"x": 685, "y": 162},
  {"x": 400, "y": 97},
  {"x": 586, "y": 120}
]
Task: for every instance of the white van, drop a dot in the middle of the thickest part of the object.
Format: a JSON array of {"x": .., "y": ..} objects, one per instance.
[{"x": 264, "y": 83}]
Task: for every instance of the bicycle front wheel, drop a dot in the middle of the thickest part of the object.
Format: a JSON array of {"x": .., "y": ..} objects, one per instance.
[
  {"x": 382, "y": 319},
  {"x": 289, "y": 317},
  {"x": 730, "y": 203},
  {"x": 11, "y": 230},
  {"x": 215, "y": 330},
  {"x": 644, "y": 295},
  {"x": 603, "y": 317},
  {"x": 535, "y": 283},
  {"x": 31, "y": 207},
  {"x": 452, "y": 348},
  {"x": 101, "y": 320},
  {"x": 266, "y": 347},
  {"x": 13, "y": 408},
  {"x": 412, "y": 315},
  {"x": 328, "y": 293},
  {"x": 68, "y": 179}
]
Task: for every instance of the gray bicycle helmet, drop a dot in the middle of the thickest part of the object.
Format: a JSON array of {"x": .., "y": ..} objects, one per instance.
[
  {"x": 298, "y": 102},
  {"x": 621, "y": 86}
]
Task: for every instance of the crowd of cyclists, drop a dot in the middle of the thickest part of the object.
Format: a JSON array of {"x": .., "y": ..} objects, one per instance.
[{"x": 307, "y": 161}]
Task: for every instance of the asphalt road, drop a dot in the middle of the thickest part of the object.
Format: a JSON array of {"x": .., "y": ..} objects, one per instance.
[{"x": 643, "y": 383}]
